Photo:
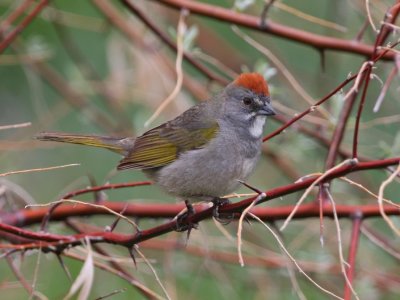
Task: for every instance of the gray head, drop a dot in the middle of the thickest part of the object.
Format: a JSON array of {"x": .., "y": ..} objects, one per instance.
[{"x": 247, "y": 102}]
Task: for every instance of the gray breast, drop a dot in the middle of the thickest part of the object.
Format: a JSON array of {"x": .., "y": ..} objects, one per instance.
[{"x": 212, "y": 171}]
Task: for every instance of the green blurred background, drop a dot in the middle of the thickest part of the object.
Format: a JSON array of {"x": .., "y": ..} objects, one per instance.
[{"x": 72, "y": 70}]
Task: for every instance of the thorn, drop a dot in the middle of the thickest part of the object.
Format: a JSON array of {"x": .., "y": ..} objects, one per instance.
[
  {"x": 247, "y": 220},
  {"x": 115, "y": 223},
  {"x": 113, "y": 293},
  {"x": 64, "y": 267},
  {"x": 133, "y": 255},
  {"x": 263, "y": 17},
  {"x": 250, "y": 187}
]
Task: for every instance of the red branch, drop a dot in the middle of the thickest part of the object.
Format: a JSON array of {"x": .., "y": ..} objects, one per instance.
[
  {"x": 28, "y": 217},
  {"x": 391, "y": 17},
  {"x": 311, "y": 39},
  {"x": 354, "y": 239},
  {"x": 25, "y": 217},
  {"x": 24, "y": 23}
]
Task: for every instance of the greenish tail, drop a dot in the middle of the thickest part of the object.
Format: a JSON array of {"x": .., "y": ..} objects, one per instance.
[{"x": 115, "y": 144}]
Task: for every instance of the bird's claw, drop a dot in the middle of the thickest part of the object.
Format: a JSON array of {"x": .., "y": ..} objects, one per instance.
[
  {"x": 224, "y": 219},
  {"x": 182, "y": 220}
]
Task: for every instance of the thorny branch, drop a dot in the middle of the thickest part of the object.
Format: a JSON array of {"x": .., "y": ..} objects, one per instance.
[{"x": 21, "y": 239}]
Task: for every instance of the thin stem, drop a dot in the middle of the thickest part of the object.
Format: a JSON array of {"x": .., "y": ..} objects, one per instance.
[
  {"x": 21, "y": 26},
  {"x": 354, "y": 240}
]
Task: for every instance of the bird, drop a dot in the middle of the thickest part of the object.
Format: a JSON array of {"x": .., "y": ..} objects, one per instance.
[{"x": 202, "y": 154}]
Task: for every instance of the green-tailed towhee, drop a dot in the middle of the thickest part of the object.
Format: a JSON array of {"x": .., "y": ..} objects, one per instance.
[{"x": 203, "y": 153}]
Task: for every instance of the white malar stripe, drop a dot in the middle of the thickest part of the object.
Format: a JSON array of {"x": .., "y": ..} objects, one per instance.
[{"x": 256, "y": 129}]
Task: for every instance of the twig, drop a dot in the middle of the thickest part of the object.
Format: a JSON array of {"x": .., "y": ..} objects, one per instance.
[
  {"x": 113, "y": 293},
  {"x": 380, "y": 242},
  {"x": 282, "y": 246},
  {"x": 20, "y": 125},
  {"x": 150, "y": 294},
  {"x": 371, "y": 22},
  {"x": 384, "y": 90},
  {"x": 310, "y": 109},
  {"x": 94, "y": 189},
  {"x": 109, "y": 186},
  {"x": 240, "y": 226},
  {"x": 37, "y": 170},
  {"x": 35, "y": 275},
  {"x": 343, "y": 264},
  {"x": 153, "y": 271},
  {"x": 310, "y": 18},
  {"x": 360, "y": 109},
  {"x": 355, "y": 236},
  {"x": 380, "y": 200},
  {"x": 368, "y": 191},
  {"x": 115, "y": 262},
  {"x": 293, "y": 34},
  {"x": 21, "y": 26},
  {"x": 19, "y": 275},
  {"x": 14, "y": 15},
  {"x": 308, "y": 190},
  {"x": 178, "y": 68},
  {"x": 88, "y": 204}
]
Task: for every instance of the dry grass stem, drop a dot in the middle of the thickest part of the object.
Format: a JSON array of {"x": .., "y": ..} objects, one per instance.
[
  {"x": 88, "y": 204},
  {"x": 371, "y": 21},
  {"x": 153, "y": 271},
  {"x": 222, "y": 229},
  {"x": 12, "y": 126},
  {"x": 84, "y": 280},
  {"x": 368, "y": 191},
  {"x": 35, "y": 275},
  {"x": 240, "y": 226},
  {"x": 310, "y": 18},
  {"x": 379, "y": 243},
  {"x": 282, "y": 246},
  {"x": 343, "y": 262},
  {"x": 309, "y": 189},
  {"x": 112, "y": 270},
  {"x": 380, "y": 200},
  {"x": 37, "y": 170},
  {"x": 178, "y": 67}
]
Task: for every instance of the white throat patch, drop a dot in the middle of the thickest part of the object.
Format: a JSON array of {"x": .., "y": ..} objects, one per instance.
[{"x": 256, "y": 129}]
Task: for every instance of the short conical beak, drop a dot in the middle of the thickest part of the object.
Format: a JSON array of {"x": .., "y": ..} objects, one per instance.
[{"x": 267, "y": 110}]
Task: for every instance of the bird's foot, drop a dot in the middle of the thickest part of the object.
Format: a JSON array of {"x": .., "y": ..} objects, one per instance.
[
  {"x": 183, "y": 222},
  {"x": 223, "y": 218}
]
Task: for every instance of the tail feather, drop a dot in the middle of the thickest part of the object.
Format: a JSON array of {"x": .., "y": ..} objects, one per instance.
[{"x": 116, "y": 144}]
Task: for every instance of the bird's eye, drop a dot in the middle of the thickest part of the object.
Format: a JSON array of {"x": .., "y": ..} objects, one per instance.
[{"x": 247, "y": 101}]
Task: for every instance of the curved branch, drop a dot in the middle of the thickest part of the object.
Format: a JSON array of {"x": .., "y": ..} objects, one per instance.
[{"x": 311, "y": 39}]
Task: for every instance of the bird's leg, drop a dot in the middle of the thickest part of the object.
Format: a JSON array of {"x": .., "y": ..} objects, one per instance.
[
  {"x": 182, "y": 220},
  {"x": 224, "y": 219}
]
